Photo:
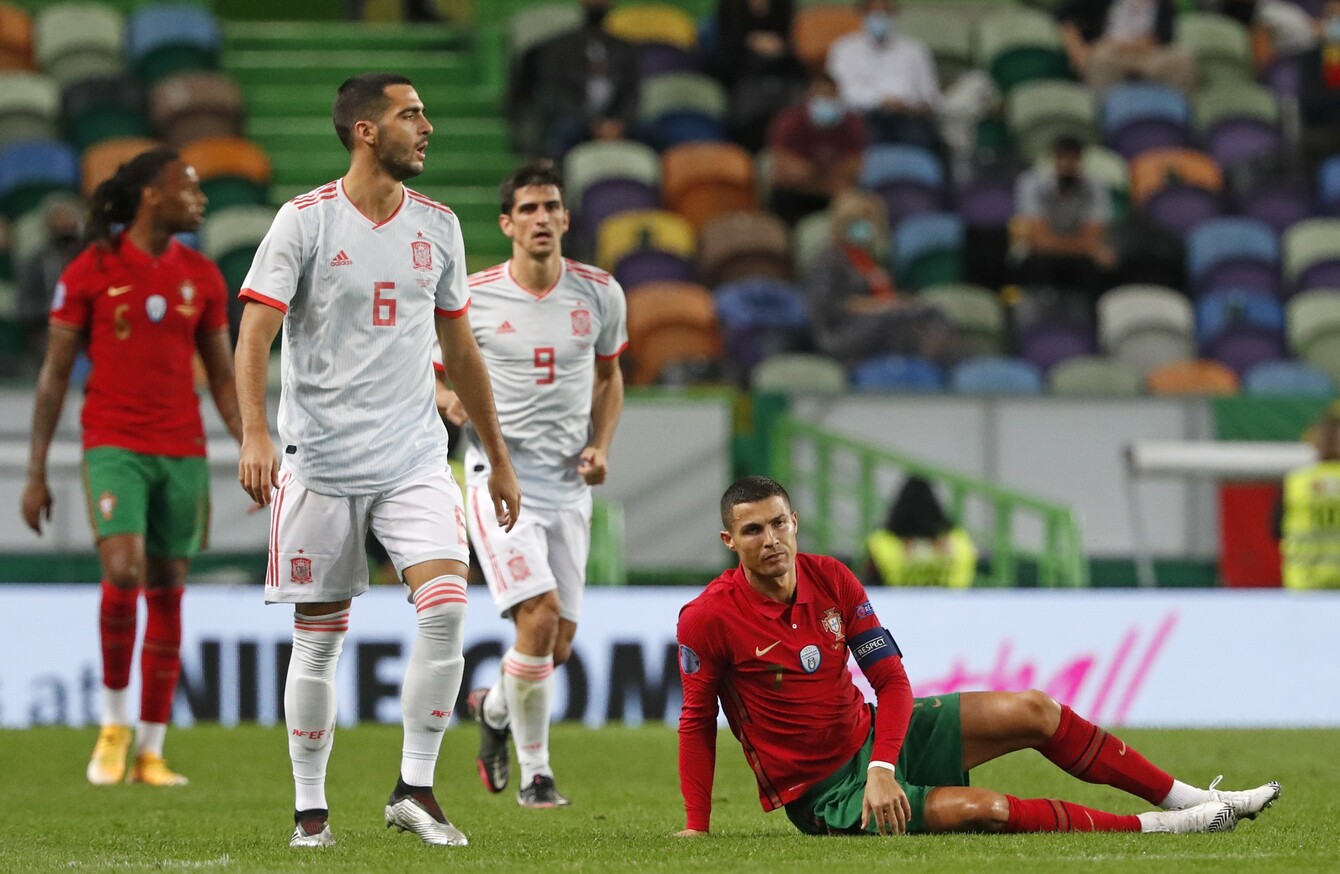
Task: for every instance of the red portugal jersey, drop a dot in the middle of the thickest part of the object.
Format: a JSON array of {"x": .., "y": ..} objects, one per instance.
[
  {"x": 141, "y": 317},
  {"x": 780, "y": 672}
]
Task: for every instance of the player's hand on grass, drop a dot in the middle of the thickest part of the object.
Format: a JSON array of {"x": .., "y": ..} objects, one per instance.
[
  {"x": 885, "y": 803},
  {"x": 506, "y": 494},
  {"x": 258, "y": 468},
  {"x": 593, "y": 466},
  {"x": 36, "y": 503},
  {"x": 689, "y": 833}
]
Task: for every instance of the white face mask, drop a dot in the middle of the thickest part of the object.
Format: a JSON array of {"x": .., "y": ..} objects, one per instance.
[{"x": 880, "y": 25}]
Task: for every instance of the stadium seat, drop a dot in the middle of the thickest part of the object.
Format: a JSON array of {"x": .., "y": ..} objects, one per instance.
[
  {"x": 31, "y": 170},
  {"x": 995, "y": 375},
  {"x": 1226, "y": 309},
  {"x": 1287, "y": 379},
  {"x": 974, "y": 314},
  {"x": 1094, "y": 376},
  {"x": 29, "y": 231},
  {"x": 230, "y": 238},
  {"x": 986, "y": 201},
  {"x": 744, "y": 244},
  {"x": 598, "y": 160},
  {"x": 704, "y": 180},
  {"x": 1233, "y": 253},
  {"x": 653, "y": 23},
  {"x": 759, "y": 318},
  {"x": 800, "y": 373},
  {"x": 1221, "y": 46},
  {"x": 530, "y": 26},
  {"x": 1138, "y": 116},
  {"x": 680, "y": 108},
  {"x": 909, "y": 179},
  {"x": 1239, "y": 122},
  {"x": 1047, "y": 344},
  {"x": 16, "y": 39},
  {"x": 814, "y": 29},
  {"x": 669, "y": 322},
  {"x": 1017, "y": 45},
  {"x": 649, "y": 229},
  {"x": 609, "y": 197},
  {"x": 164, "y": 40},
  {"x": 193, "y": 106},
  {"x": 1312, "y": 254},
  {"x": 233, "y": 171},
  {"x": 100, "y": 161},
  {"x": 652, "y": 265},
  {"x": 1038, "y": 112},
  {"x": 1145, "y": 326},
  {"x": 1177, "y": 189},
  {"x": 1199, "y": 378},
  {"x": 947, "y": 33},
  {"x": 29, "y": 107},
  {"x": 658, "y": 59},
  {"x": 73, "y": 41},
  {"x": 1328, "y": 185},
  {"x": 811, "y": 236},
  {"x": 103, "y": 108},
  {"x": 1280, "y": 203},
  {"x": 928, "y": 250},
  {"x": 900, "y": 373},
  {"x": 1312, "y": 316}
]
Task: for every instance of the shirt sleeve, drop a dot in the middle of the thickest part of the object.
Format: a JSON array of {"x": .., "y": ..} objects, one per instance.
[
  {"x": 215, "y": 294},
  {"x": 893, "y": 691},
  {"x": 453, "y": 292},
  {"x": 1028, "y": 203},
  {"x": 278, "y": 264},
  {"x": 1100, "y": 203},
  {"x": 700, "y": 670},
  {"x": 72, "y": 298},
  {"x": 613, "y": 338},
  {"x": 928, "y": 82}
]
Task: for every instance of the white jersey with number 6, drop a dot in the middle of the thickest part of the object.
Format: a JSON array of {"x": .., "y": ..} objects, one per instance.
[
  {"x": 356, "y": 415},
  {"x": 540, "y": 350}
]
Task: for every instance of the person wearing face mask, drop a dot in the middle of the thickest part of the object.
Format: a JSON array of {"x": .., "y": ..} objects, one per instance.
[
  {"x": 581, "y": 85},
  {"x": 889, "y": 77},
  {"x": 816, "y": 148},
  {"x": 1061, "y": 222},
  {"x": 1319, "y": 94},
  {"x": 1108, "y": 41},
  {"x": 856, "y": 311}
]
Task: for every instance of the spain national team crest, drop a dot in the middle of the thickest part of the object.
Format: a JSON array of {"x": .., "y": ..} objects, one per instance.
[
  {"x": 832, "y": 623},
  {"x": 423, "y": 254},
  {"x": 517, "y": 567},
  {"x": 107, "y": 505},
  {"x": 581, "y": 323},
  {"x": 300, "y": 569}
]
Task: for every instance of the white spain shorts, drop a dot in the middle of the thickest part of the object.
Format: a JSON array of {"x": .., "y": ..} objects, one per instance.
[
  {"x": 545, "y": 551},
  {"x": 316, "y": 541}
]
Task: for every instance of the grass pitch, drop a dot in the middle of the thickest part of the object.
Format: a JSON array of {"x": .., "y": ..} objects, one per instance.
[{"x": 236, "y": 814}]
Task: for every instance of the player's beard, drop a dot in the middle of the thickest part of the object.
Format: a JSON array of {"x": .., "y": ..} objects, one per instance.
[{"x": 397, "y": 166}]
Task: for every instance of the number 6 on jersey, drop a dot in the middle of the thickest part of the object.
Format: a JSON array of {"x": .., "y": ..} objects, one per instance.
[{"x": 383, "y": 308}]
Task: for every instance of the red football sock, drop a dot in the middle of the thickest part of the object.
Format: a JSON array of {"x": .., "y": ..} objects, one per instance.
[
  {"x": 1094, "y": 756},
  {"x": 1050, "y": 815},
  {"x": 160, "y": 659},
  {"x": 117, "y": 615}
]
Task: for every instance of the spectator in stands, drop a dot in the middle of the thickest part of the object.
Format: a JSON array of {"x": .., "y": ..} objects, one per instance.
[
  {"x": 755, "y": 64},
  {"x": 855, "y": 311},
  {"x": 1307, "y": 519},
  {"x": 580, "y": 85},
  {"x": 889, "y": 76},
  {"x": 1319, "y": 94},
  {"x": 816, "y": 148},
  {"x": 1112, "y": 40},
  {"x": 1061, "y": 224},
  {"x": 37, "y": 277},
  {"x": 919, "y": 544}
]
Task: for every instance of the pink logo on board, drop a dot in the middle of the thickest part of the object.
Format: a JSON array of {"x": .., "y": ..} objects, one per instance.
[{"x": 423, "y": 255}]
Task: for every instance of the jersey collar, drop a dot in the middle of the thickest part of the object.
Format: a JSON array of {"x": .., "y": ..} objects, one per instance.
[
  {"x": 344, "y": 195},
  {"x": 134, "y": 255},
  {"x": 768, "y": 607}
]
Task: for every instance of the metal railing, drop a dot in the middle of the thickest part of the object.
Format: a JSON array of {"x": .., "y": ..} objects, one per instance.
[{"x": 1060, "y": 560}]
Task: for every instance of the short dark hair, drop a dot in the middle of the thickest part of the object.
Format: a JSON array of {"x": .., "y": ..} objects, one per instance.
[
  {"x": 362, "y": 98},
  {"x": 749, "y": 490},
  {"x": 541, "y": 172},
  {"x": 1067, "y": 144}
]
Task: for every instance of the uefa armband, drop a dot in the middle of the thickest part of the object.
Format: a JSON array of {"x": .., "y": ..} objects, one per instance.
[{"x": 873, "y": 646}]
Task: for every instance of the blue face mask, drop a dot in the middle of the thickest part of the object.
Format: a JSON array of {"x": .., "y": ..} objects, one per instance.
[
  {"x": 824, "y": 111},
  {"x": 1333, "y": 29},
  {"x": 879, "y": 25},
  {"x": 860, "y": 232}
]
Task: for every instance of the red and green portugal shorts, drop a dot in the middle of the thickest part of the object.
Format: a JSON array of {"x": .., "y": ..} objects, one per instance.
[
  {"x": 932, "y": 756},
  {"x": 163, "y": 498}
]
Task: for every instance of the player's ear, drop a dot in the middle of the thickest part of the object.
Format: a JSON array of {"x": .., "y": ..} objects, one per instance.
[
  {"x": 728, "y": 540},
  {"x": 505, "y": 224},
  {"x": 366, "y": 131},
  {"x": 567, "y": 219}
]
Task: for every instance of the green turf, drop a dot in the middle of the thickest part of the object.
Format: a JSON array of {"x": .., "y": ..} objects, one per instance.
[{"x": 235, "y": 815}]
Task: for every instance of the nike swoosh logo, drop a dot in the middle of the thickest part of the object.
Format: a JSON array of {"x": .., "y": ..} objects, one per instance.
[
  {"x": 1122, "y": 751},
  {"x": 118, "y": 290},
  {"x": 765, "y": 650},
  {"x": 935, "y": 703}
]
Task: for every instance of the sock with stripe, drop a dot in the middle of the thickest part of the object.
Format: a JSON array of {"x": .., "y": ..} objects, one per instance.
[
  {"x": 530, "y": 692},
  {"x": 1094, "y": 756},
  {"x": 433, "y": 677},
  {"x": 1050, "y": 815},
  {"x": 496, "y": 713},
  {"x": 160, "y": 666},
  {"x": 309, "y": 702},
  {"x": 117, "y": 618}
]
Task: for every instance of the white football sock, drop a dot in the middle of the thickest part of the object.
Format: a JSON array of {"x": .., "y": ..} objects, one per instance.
[
  {"x": 1181, "y": 795},
  {"x": 149, "y": 737},
  {"x": 495, "y": 703},
  {"x": 309, "y": 702},
  {"x": 433, "y": 677},
  {"x": 529, "y": 691},
  {"x": 114, "y": 710}
]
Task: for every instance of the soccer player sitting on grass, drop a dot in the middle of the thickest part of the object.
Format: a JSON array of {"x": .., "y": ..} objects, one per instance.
[{"x": 770, "y": 639}]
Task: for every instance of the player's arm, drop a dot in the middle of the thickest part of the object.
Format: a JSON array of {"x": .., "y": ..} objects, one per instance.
[
  {"x": 52, "y": 383},
  {"x": 258, "y": 467},
  {"x": 700, "y": 671},
  {"x": 469, "y": 377},
  {"x": 218, "y": 361},
  {"x": 606, "y": 406},
  {"x": 448, "y": 403}
]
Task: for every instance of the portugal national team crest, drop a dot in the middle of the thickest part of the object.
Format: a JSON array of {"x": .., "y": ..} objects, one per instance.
[
  {"x": 423, "y": 254},
  {"x": 832, "y": 622},
  {"x": 517, "y": 567},
  {"x": 107, "y": 505},
  {"x": 301, "y": 569},
  {"x": 581, "y": 323}
]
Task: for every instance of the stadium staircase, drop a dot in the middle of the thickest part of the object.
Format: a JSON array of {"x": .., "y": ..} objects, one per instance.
[{"x": 289, "y": 72}]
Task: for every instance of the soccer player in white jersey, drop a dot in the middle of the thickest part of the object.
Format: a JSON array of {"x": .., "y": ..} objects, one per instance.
[
  {"x": 551, "y": 331},
  {"x": 354, "y": 272}
]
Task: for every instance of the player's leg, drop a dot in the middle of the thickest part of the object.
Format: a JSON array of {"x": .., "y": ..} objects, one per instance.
[
  {"x": 996, "y": 723},
  {"x": 419, "y": 525},
  {"x": 973, "y": 809},
  {"x": 117, "y": 499}
]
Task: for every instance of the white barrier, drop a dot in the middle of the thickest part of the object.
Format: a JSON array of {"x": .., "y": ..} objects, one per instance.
[{"x": 1172, "y": 658}]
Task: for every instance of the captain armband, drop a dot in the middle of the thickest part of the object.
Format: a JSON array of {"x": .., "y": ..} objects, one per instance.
[{"x": 872, "y": 646}]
